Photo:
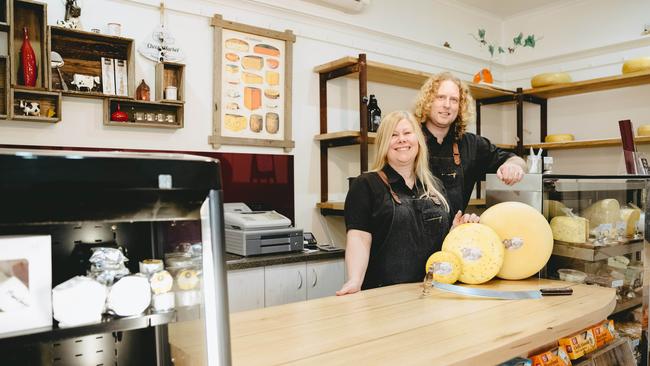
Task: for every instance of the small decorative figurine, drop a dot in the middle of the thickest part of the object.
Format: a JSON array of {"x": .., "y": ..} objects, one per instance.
[
  {"x": 30, "y": 108},
  {"x": 142, "y": 92},
  {"x": 119, "y": 116},
  {"x": 72, "y": 15},
  {"x": 88, "y": 82}
]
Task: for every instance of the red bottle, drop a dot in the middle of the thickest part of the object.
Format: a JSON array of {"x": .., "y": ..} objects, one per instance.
[
  {"x": 119, "y": 116},
  {"x": 27, "y": 61}
]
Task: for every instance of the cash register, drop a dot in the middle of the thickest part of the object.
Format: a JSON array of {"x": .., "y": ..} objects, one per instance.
[{"x": 251, "y": 232}]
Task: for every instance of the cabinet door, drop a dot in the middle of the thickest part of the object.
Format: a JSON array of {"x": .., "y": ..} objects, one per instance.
[
  {"x": 245, "y": 289},
  {"x": 284, "y": 284},
  {"x": 324, "y": 278}
]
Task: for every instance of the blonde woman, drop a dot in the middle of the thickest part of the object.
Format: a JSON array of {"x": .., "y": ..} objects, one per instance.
[
  {"x": 457, "y": 157},
  {"x": 396, "y": 215}
]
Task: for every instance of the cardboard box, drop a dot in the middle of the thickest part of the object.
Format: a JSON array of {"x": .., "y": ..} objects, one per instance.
[
  {"x": 121, "y": 79},
  {"x": 108, "y": 76},
  {"x": 25, "y": 282}
]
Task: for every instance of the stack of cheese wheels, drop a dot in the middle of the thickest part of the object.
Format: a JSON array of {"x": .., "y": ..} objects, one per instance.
[
  {"x": 479, "y": 250},
  {"x": 526, "y": 237},
  {"x": 444, "y": 266},
  {"x": 552, "y": 78},
  {"x": 636, "y": 64}
]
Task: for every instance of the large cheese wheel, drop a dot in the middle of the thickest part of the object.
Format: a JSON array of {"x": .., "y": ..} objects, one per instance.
[
  {"x": 570, "y": 229},
  {"x": 526, "y": 235},
  {"x": 630, "y": 217},
  {"x": 605, "y": 211},
  {"x": 560, "y": 137},
  {"x": 636, "y": 64},
  {"x": 643, "y": 130},
  {"x": 445, "y": 267},
  {"x": 479, "y": 249},
  {"x": 551, "y": 78}
]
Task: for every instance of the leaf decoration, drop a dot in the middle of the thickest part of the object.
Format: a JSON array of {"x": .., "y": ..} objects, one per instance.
[
  {"x": 517, "y": 40},
  {"x": 501, "y": 50},
  {"x": 481, "y": 33},
  {"x": 530, "y": 41},
  {"x": 491, "y": 49}
]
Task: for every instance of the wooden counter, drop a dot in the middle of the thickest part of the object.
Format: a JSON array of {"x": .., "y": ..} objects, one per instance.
[{"x": 395, "y": 325}]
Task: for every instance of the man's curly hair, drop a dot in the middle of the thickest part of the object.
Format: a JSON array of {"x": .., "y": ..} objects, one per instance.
[{"x": 466, "y": 106}]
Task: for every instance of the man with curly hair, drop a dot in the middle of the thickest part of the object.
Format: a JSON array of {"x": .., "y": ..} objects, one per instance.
[{"x": 457, "y": 157}]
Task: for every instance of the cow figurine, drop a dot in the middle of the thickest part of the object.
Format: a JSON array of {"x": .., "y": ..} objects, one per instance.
[
  {"x": 88, "y": 82},
  {"x": 30, "y": 108}
]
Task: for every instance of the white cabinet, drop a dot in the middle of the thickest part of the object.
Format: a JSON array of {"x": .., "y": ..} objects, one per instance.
[
  {"x": 285, "y": 283},
  {"x": 246, "y": 289},
  {"x": 324, "y": 278}
]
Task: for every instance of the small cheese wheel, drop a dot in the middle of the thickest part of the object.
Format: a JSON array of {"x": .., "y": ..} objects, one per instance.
[
  {"x": 187, "y": 279},
  {"x": 479, "y": 249},
  {"x": 561, "y": 137},
  {"x": 605, "y": 211},
  {"x": 526, "y": 235},
  {"x": 551, "y": 78},
  {"x": 445, "y": 267},
  {"x": 570, "y": 229},
  {"x": 636, "y": 64},
  {"x": 161, "y": 282},
  {"x": 630, "y": 216},
  {"x": 643, "y": 130}
]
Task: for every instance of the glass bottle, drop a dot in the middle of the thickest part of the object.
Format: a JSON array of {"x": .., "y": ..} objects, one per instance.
[
  {"x": 374, "y": 114},
  {"x": 27, "y": 61}
]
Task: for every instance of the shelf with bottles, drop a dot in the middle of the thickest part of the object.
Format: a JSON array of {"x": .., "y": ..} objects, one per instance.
[
  {"x": 139, "y": 113},
  {"x": 35, "y": 105},
  {"x": 28, "y": 36},
  {"x": 170, "y": 82},
  {"x": 91, "y": 64}
]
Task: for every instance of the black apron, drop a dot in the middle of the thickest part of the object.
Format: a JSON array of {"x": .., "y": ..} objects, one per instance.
[
  {"x": 452, "y": 178},
  {"x": 417, "y": 230}
]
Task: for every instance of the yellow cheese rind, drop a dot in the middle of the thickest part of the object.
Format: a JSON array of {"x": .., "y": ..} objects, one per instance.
[
  {"x": 479, "y": 250},
  {"x": 552, "y": 208},
  {"x": 570, "y": 229},
  {"x": 636, "y": 64},
  {"x": 630, "y": 216},
  {"x": 605, "y": 211},
  {"x": 526, "y": 235},
  {"x": 551, "y": 78},
  {"x": 560, "y": 137},
  {"x": 446, "y": 267},
  {"x": 643, "y": 130}
]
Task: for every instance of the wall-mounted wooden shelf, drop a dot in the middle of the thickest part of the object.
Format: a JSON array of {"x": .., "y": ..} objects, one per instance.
[
  {"x": 170, "y": 74},
  {"x": 33, "y": 16},
  {"x": 48, "y": 101},
  {"x": 336, "y": 208},
  {"x": 404, "y": 77},
  {"x": 82, "y": 53},
  {"x": 593, "y": 85},
  {"x": 132, "y": 107},
  {"x": 585, "y": 143}
]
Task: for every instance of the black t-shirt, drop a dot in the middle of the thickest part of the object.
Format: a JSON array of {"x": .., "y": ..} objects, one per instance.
[{"x": 478, "y": 157}]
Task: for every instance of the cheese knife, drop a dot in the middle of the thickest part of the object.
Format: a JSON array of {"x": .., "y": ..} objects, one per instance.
[{"x": 503, "y": 294}]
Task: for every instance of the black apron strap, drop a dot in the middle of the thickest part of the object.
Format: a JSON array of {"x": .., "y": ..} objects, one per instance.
[{"x": 384, "y": 179}]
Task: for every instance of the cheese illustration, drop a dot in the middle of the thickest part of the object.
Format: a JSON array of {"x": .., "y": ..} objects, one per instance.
[
  {"x": 266, "y": 49},
  {"x": 237, "y": 45},
  {"x": 272, "y": 122},
  {"x": 526, "y": 237},
  {"x": 551, "y": 78},
  {"x": 272, "y": 78},
  {"x": 233, "y": 69},
  {"x": 605, "y": 211},
  {"x": 252, "y": 63},
  {"x": 271, "y": 93},
  {"x": 570, "y": 229},
  {"x": 272, "y": 63},
  {"x": 636, "y": 64},
  {"x": 479, "y": 250},
  {"x": 630, "y": 216},
  {"x": 255, "y": 123},
  {"x": 252, "y": 98},
  {"x": 234, "y": 123},
  {"x": 232, "y": 57},
  {"x": 250, "y": 78},
  {"x": 445, "y": 267}
]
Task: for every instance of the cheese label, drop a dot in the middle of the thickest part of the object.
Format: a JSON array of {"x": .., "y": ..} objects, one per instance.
[
  {"x": 442, "y": 268},
  {"x": 471, "y": 254},
  {"x": 514, "y": 243}
]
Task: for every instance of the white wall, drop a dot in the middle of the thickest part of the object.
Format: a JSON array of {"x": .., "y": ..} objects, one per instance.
[{"x": 406, "y": 33}]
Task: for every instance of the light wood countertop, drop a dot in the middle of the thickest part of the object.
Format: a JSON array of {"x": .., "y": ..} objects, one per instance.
[{"x": 396, "y": 325}]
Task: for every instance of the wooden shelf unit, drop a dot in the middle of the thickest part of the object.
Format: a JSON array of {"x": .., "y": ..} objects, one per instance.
[
  {"x": 33, "y": 16},
  {"x": 131, "y": 106},
  {"x": 47, "y": 100},
  {"x": 593, "y": 85},
  {"x": 170, "y": 74},
  {"x": 585, "y": 143}
]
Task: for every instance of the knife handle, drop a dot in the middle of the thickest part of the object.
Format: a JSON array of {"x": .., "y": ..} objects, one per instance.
[{"x": 556, "y": 291}]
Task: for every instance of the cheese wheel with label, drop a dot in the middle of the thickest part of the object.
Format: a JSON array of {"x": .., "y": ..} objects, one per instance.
[
  {"x": 605, "y": 211},
  {"x": 570, "y": 229},
  {"x": 479, "y": 249},
  {"x": 636, "y": 64},
  {"x": 551, "y": 78},
  {"x": 630, "y": 216},
  {"x": 526, "y": 236},
  {"x": 445, "y": 267}
]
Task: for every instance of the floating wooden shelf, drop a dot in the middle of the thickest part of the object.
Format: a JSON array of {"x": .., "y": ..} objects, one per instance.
[
  {"x": 47, "y": 101},
  {"x": 82, "y": 53},
  {"x": 170, "y": 74},
  {"x": 585, "y": 143},
  {"x": 593, "y": 85},
  {"x": 155, "y": 109},
  {"x": 408, "y": 78},
  {"x": 33, "y": 16}
]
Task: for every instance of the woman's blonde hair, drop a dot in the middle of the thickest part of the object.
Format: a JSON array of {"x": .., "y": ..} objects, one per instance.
[
  {"x": 421, "y": 164},
  {"x": 466, "y": 107}
]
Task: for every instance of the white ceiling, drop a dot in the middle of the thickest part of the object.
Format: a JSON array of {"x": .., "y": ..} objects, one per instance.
[{"x": 507, "y": 8}]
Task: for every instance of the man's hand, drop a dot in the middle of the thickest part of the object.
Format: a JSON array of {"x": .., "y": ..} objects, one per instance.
[
  {"x": 460, "y": 219},
  {"x": 510, "y": 173}
]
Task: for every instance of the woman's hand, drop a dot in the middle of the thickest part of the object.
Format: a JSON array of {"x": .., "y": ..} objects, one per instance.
[
  {"x": 460, "y": 219},
  {"x": 349, "y": 287}
]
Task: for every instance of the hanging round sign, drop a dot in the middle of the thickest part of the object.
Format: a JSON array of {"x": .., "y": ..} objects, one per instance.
[{"x": 160, "y": 47}]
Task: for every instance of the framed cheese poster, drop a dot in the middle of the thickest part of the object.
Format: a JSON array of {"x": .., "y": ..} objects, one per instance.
[{"x": 252, "y": 86}]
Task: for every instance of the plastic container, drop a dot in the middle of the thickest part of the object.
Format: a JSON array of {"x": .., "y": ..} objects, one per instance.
[{"x": 571, "y": 275}]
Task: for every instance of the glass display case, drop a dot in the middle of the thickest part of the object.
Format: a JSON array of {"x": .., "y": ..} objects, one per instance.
[
  {"x": 599, "y": 226},
  {"x": 161, "y": 212}
]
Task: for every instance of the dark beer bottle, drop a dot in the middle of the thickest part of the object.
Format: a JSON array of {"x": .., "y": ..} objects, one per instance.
[{"x": 374, "y": 114}]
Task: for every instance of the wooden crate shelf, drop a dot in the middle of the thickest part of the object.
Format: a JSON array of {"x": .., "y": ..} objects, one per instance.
[
  {"x": 33, "y": 16},
  {"x": 47, "y": 101},
  {"x": 131, "y": 107},
  {"x": 170, "y": 74},
  {"x": 82, "y": 53}
]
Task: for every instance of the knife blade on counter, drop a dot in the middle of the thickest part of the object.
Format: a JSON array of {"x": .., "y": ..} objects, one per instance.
[{"x": 503, "y": 294}]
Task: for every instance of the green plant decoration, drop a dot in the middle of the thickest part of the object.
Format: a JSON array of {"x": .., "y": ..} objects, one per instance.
[{"x": 517, "y": 41}]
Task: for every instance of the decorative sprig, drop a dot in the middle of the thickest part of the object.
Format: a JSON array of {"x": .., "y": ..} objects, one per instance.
[{"x": 517, "y": 41}]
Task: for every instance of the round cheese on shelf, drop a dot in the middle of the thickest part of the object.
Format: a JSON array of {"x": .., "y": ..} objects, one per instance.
[
  {"x": 636, "y": 64},
  {"x": 445, "y": 267},
  {"x": 561, "y": 137},
  {"x": 551, "y": 78},
  {"x": 605, "y": 211},
  {"x": 643, "y": 130},
  {"x": 479, "y": 249},
  {"x": 630, "y": 216},
  {"x": 526, "y": 235},
  {"x": 570, "y": 229}
]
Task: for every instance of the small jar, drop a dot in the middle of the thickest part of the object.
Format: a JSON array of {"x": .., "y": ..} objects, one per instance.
[{"x": 150, "y": 117}]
